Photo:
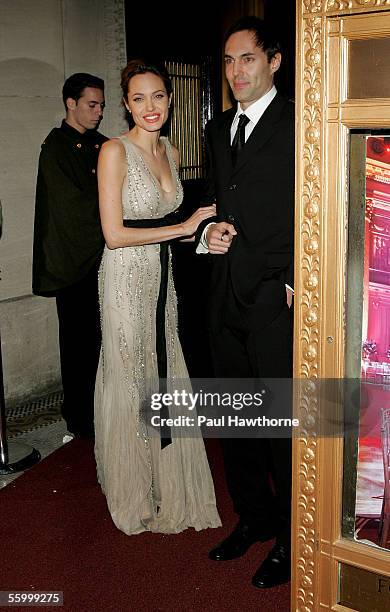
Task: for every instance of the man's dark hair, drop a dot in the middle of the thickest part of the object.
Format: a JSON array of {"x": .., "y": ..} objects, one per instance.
[
  {"x": 76, "y": 83},
  {"x": 262, "y": 31}
]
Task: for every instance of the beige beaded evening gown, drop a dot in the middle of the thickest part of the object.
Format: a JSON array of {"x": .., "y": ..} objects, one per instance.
[{"x": 148, "y": 488}]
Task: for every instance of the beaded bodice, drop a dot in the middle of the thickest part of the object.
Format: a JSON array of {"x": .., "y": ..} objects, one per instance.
[{"x": 142, "y": 195}]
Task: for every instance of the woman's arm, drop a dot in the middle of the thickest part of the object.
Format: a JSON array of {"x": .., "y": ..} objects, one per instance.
[{"x": 112, "y": 169}]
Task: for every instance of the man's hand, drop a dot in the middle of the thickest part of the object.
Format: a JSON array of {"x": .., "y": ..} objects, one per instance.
[
  {"x": 219, "y": 237},
  {"x": 290, "y": 295}
]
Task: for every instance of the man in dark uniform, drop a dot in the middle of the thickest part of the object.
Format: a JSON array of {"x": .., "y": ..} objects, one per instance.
[{"x": 68, "y": 242}]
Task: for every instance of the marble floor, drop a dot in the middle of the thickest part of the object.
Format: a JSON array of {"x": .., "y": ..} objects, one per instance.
[{"x": 37, "y": 425}]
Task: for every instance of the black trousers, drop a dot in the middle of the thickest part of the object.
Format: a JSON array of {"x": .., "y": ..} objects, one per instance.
[
  {"x": 258, "y": 470},
  {"x": 80, "y": 340}
]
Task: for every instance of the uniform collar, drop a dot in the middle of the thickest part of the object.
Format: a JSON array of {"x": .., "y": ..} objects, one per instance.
[{"x": 75, "y": 134}]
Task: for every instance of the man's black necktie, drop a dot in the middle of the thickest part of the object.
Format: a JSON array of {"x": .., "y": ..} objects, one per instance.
[{"x": 239, "y": 137}]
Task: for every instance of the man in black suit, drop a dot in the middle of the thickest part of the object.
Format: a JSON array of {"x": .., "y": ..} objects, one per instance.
[{"x": 251, "y": 177}]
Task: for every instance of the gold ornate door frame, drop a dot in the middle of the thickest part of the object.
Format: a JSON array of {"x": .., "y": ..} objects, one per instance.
[{"x": 325, "y": 114}]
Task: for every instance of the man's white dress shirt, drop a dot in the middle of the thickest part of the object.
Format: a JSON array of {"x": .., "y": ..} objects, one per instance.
[{"x": 254, "y": 112}]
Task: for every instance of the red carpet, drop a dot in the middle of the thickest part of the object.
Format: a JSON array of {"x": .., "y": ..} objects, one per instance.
[{"x": 56, "y": 534}]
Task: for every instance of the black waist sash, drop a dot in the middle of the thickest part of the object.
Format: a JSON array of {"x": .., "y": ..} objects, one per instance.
[
  {"x": 172, "y": 218},
  {"x": 161, "y": 346}
]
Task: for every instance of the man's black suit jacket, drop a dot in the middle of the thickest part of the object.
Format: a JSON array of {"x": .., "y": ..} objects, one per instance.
[{"x": 257, "y": 197}]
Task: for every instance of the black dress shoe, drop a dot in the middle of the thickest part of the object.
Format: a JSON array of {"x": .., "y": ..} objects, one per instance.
[
  {"x": 238, "y": 542},
  {"x": 275, "y": 569}
]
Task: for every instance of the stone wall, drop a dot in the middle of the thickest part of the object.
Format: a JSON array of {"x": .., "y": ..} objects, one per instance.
[{"x": 41, "y": 44}]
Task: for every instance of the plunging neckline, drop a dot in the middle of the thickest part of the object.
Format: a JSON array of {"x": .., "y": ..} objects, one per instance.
[{"x": 154, "y": 177}]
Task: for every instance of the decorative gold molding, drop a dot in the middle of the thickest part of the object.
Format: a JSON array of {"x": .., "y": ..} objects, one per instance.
[
  {"x": 305, "y": 554},
  {"x": 311, "y": 197},
  {"x": 307, "y": 341},
  {"x": 313, "y": 6},
  {"x": 342, "y": 6}
]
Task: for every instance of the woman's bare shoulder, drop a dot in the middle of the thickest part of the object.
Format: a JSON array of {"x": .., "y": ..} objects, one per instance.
[{"x": 114, "y": 148}]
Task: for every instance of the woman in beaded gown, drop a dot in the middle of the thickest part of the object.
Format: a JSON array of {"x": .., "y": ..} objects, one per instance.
[{"x": 151, "y": 483}]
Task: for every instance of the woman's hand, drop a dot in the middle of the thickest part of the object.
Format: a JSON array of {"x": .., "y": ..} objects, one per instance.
[{"x": 191, "y": 225}]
